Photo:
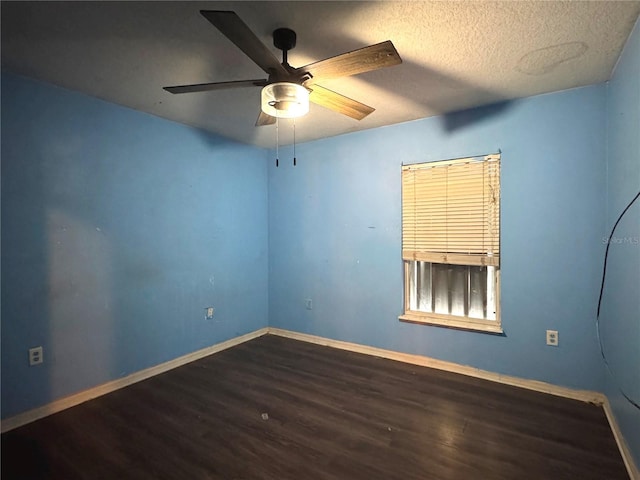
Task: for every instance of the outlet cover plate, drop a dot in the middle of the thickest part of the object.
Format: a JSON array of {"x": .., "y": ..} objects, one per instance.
[{"x": 35, "y": 356}]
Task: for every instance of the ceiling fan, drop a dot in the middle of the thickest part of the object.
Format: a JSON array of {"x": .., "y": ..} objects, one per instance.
[{"x": 287, "y": 90}]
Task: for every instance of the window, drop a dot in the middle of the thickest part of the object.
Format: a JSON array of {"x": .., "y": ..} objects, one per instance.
[{"x": 451, "y": 243}]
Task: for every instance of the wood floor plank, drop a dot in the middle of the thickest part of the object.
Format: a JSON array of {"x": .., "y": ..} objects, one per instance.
[{"x": 330, "y": 415}]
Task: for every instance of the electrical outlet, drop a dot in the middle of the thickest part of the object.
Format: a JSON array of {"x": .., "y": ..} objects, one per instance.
[
  {"x": 209, "y": 314},
  {"x": 308, "y": 304},
  {"x": 35, "y": 356},
  {"x": 552, "y": 338}
]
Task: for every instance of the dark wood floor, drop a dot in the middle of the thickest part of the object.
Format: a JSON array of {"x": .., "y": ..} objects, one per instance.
[{"x": 331, "y": 415}]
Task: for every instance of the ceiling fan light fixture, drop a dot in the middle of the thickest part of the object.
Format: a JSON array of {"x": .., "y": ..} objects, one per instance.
[{"x": 285, "y": 100}]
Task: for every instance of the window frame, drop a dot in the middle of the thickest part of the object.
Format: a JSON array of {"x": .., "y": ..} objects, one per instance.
[{"x": 448, "y": 320}]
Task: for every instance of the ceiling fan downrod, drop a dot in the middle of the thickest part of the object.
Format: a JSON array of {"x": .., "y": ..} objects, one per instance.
[{"x": 284, "y": 39}]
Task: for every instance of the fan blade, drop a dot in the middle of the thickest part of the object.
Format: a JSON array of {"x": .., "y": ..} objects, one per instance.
[
  {"x": 205, "y": 87},
  {"x": 239, "y": 33},
  {"x": 264, "y": 119},
  {"x": 352, "y": 63},
  {"x": 339, "y": 103}
]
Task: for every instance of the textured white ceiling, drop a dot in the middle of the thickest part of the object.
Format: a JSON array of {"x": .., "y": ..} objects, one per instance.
[{"x": 455, "y": 55}]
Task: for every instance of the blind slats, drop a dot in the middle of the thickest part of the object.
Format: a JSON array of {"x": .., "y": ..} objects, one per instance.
[{"x": 451, "y": 211}]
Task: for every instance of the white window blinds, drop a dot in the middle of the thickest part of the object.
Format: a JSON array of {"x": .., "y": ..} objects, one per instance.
[{"x": 451, "y": 211}]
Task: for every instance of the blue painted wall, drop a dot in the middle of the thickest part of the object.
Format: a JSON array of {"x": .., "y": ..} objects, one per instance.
[
  {"x": 335, "y": 235},
  {"x": 620, "y": 314},
  {"x": 118, "y": 229}
]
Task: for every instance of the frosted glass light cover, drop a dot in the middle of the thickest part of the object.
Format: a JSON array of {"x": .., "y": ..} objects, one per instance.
[{"x": 285, "y": 100}]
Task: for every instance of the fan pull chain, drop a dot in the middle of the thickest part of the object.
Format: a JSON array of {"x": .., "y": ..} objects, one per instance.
[
  {"x": 277, "y": 141},
  {"x": 294, "y": 142}
]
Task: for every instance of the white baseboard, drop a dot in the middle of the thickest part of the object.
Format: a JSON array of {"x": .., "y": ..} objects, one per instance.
[
  {"x": 583, "y": 395},
  {"x": 596, "y": 398},
  {"x": 81, "y": 397},
  {"x": 622, "y": 445}
]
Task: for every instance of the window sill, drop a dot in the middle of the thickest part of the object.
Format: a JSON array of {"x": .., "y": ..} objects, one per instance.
[{"x": 449, "y": 321}]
